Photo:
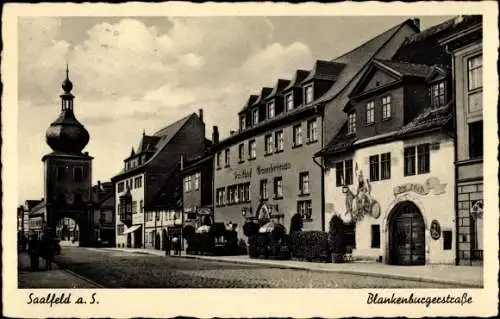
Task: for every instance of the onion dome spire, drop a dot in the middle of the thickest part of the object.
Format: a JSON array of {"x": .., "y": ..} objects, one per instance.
[{"x": 66, "y": 134}]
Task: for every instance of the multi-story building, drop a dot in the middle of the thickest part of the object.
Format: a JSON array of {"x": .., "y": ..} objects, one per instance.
[
  {"x": 267, "y": 165},
  {"x": 148, "y": 190},
  {"x": 104, "y": 213},
  {"x": 37, "y": 219},
  {"x": 389, "y": 171},
  {"x": 197, "y": 177},
  {"x": 465, "y": 46}
]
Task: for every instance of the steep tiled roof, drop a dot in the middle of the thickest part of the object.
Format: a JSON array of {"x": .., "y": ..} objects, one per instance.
[
  {"x": 281, "y": 84},
  {"x": 299, "y": 76},
  {"x": 355, "y": 61},
  {"x": 340, "y": 142},
  {"x": 164, "y": 136},
  {"x": 429, "y": 118},
  {"x": 148, "y": 143},
  {"x": 405, "y": 68},
  {"x": 251, "y": 99},
  {"x": 38, "y": 206},
  {"x": 325, "y": 70},
  {"x": 32, "y": 203}
]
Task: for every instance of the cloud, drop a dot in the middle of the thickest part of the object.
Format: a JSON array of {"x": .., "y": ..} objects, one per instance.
[{"x": 129, "y": 76}]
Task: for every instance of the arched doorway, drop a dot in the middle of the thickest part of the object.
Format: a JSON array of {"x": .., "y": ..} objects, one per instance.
[
  {"x": 68, "y": 231},
  {"x": 406, "y": 235}
]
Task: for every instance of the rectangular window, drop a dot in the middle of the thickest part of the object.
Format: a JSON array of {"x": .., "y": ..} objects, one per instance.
[
  {"x": 197, "y": 177},
  {"x": 350, "y": 235},
  {"x": 297, "y": 135},
  {"x": 476, "y": 139},
  {"x": 231, "y": 190},
  {"x": 409, "y": 165},
  {"x": 385, "y": 166},
  {"x": 187, "y": 184},
  {"x": 278, "y": 141},
  {"x": 237, "y": 192},
  {"x": 263, "y": 189},
  {"x": 226, "y": 157},
  {"x": 78, "y": 174},
  {"x": 351, "y": 123},
  {"x": 252, "y": 153},
  {"x": 241, "y": 152},
  {"x": 241, "y": 192},
  {"x": 246, "y": 188},
  {"x": 375, "y": 236},
  {"x": 339, "y": 173},
  {"x": 218, "y": 160},
  {"x": 475, "y": 72},
  {"x": 242, "y": 122},
  {"x": 219, "y": 200},
  {"x": 312, "y": 131},
  {"x": 447, "y": 239},
  {"x": 370, "y": 112},
  {"x": 304, "y": 183},
  {"x": 270, "y": 110},
  {"x": 438, "y": 94},
  {"x": 278, "y": 187},
  {"x": 268, "y": 144},
  {"x": 141, "y": 206},
  {"x": 348, "y": 173},
  {"x": 304, "y": 208},
  {"x": 374, "y": 168},
  {"x": 138, "y": 182},
  {"x": 386, "y": 107},
  {"x": 344, "y": 173},
  {"x": 121, "y": 187},
  {"x": 289, "y": 101},
  {"x": 134, "y": 207},
  {"x": 423, "y": 159},
  {"x": 308, "y": 94},
  {"x": 255, "y": 116}
]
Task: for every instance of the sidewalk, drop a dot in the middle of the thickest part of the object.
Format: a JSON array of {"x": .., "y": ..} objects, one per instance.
[
  {"x": 55, "y": 278},
  {"x": 467, "y": 276}
]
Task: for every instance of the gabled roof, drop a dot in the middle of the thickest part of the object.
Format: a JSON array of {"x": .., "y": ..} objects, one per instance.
[
  {"x": 402, "y": 69},
  {"x": 437, "y": 73},
  {"x": 325, "y": 70},
  {"x": 38, "y": 206},
  {"x": 251, "y": 99},
  {"x": 355, "y": 61},
  {"x": 429, "y": 118},
  {"x": 263, "y": 94},
  {"x": 299, "y": 76},
  {"x": 30, "y": 203},
  {"x": 148, "y": 143},
  {"x": 164, "y": 136},
  {"x": 281, "y": 84},
  {"x": 168, "y": 197}
]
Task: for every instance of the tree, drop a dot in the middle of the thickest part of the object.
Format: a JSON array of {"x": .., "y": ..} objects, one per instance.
[
  {"x": 296, "y": 223},
  {"x": 336, "y": 238}
]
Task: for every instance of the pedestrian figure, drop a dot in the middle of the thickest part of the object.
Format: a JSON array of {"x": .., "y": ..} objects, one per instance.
[
  {"x": 175, "y": 244},
  {"x": 167, "y": 246},
  {"x": 34, "y": 252},
  {"x": 48, "y": 250}
]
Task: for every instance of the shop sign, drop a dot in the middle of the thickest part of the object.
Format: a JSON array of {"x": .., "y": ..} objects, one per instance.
[
  {"x": 244, "y": 173},
  {"x": 431, "y": 185},
  {"x": 273, "y": 168},
  {"x": 435, "y": 230}
]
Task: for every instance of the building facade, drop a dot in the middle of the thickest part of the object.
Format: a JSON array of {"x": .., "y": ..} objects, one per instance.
[
  {"x": 38, "y": 219},
  {"x": 268, "y": 163},
  {"x": 148, "y": 190},
  {"x": 104, "y": 213},
  {"x": 389, "y": 171},
  {"x": 465, "y": 46}
]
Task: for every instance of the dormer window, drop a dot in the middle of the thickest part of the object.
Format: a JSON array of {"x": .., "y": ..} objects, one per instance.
[
  {"x": 438, "y": 94},
  {"x": 270, "y": 110},
  {"x": 308, "y": 94},
  {"x": 255, "y": 116},
  {"x": 289, "y": 101},
  {"x": 351, "y": 123},
  {"x": 242, "y": 122},
  {"x": 370, "y": 113}
]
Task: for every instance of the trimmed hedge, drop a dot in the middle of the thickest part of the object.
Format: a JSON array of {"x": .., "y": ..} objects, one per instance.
[
  {"x": 310, "y": 246},
  {"x": 264, "y": 246},
  {"x": 204, "y": 244}
]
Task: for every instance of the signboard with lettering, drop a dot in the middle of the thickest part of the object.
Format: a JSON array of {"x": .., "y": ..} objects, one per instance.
[
  {"x": 273, "y": 168},
  {"x": 244, "y": 173},
  {"x": 431, "y": 185}
]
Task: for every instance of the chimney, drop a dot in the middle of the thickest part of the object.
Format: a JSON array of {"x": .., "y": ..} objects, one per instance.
[
  {"x": 416, "y": 22},
  {"x": 200, "y": 114},
  {"x": 215, "y": 135}
]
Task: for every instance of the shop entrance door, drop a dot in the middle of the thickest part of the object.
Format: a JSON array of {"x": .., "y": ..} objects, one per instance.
[{"x": 407, "y": 235}]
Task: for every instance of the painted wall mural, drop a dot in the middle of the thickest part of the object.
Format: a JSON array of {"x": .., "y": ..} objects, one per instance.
[{"x": 359, "y": 202}]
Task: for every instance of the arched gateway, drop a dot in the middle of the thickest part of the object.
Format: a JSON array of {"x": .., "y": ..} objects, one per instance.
[{"x": 406, "y": 235}]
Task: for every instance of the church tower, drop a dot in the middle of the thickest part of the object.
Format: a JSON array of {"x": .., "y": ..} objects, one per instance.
[{"x": 68, "y": 171}]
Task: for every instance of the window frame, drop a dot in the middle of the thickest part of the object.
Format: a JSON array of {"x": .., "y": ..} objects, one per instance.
[
  {"x": 297, "y": 134},
  {"x": 279, "y": 141},
  {"x": 374, "y": 162},
  {"x": 306, "y": 88},
  {"x": 271, "y": 106},
  {"x": 268, "y": 144},
  {"x": 241, "y": 152},
  {"x": 278, "y": 181},
  {"x": 375, "y": 236},
  {"x": 288, "y": 102},
  {"x": 385, "y": 166},
  {"x": 478, "y": 152},
  {"x": 78, "y": 178},
  {"x": 312, "y": 131},
  {"x": 472, "y": 69},
  {"x": 370, "y": 112},
  {"x": 304, "y": 183},
  {"x": 386, "y": 107},
  {"x": 304, "y": 208},
  {"x": 440, "y": 98},
  {"x": 263, "y": 189},
  {"x": 351, "y": 123},
  {"x": 255, "y": 116},
  {"x": 252, "y": 150}
]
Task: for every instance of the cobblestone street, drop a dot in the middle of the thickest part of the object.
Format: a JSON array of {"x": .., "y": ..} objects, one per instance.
[{"x": 119, "y": 269}]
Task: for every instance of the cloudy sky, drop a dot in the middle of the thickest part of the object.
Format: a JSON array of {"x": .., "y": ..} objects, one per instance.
[{"x": 132, "y": 74}]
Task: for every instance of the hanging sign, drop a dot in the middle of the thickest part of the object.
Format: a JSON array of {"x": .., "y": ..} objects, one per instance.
[{"x": 435, "y": 230}]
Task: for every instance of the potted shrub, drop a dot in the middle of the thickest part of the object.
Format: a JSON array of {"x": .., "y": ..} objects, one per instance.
[{"x": 336, "y": 239}]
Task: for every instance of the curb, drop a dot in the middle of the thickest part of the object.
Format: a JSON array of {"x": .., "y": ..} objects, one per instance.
[
  {"x": 350, "y": 272},
  {"x": 80, "y": 277}
]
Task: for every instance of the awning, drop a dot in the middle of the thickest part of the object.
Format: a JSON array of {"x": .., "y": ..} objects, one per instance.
[
  {"x": 267, "y": 228},
  {"x": 131, "y": 229},
  {"x": 205, "y": 211}
]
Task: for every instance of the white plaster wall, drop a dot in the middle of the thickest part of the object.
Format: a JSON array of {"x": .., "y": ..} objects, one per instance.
[
  {"x": 137, "y": 195},
  {"x": 439, "y": 207}
]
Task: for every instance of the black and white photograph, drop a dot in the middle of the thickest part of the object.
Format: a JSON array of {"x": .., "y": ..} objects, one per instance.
[{"x": 191, "y": 148}]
